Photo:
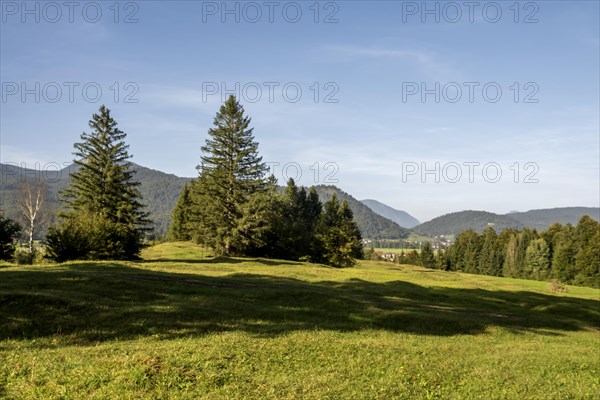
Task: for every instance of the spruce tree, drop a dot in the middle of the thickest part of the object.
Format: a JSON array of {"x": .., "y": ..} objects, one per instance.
[
  {"x": 523, "y": 239},
  {"x": 228, "y": 216},
  {"x": 563, "y": 257},
  {"x": 537, "y": 260},
  {"x": 468, "y": 247},
  {"x": 587, "y": 259},
  {"x": 103, "y": 201},
  {"x": 427, "y": 256},
  {"x": 509, "y": 267},
  {"x": 351, "y": 230},
  {"x": 339, "y": 235},
  {"x": 180, "y": 221},
  {"x": 490, "y": 257}
]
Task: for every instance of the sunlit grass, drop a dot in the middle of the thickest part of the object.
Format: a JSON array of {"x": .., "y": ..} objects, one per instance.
[{"x": 182, "y": 325}]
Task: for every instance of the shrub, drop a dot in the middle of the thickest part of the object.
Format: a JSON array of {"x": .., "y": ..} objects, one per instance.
[
  {"x": 9, "y": 233},
  {"x": 92, "y": 237},
  {"x": 557, "y": 286}
]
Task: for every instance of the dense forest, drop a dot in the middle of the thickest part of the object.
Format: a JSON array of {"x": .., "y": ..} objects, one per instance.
[{"x": 566, "y": 253}]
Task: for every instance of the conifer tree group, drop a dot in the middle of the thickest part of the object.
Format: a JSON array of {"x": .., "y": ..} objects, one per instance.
[
  {"x": 570, "y": 254},
  {"x": 236, "y": 209}
]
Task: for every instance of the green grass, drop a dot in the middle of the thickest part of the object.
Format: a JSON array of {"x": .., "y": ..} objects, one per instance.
[{"x": 182, "y": 326}]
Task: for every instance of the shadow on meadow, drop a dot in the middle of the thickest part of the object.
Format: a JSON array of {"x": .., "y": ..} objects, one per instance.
[
  {"x": 84, "y": 303},
  {"x": 220, "y": 260}
]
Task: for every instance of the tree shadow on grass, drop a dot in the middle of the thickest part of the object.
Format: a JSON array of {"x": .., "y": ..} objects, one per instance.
[
  {"x": 84, "y": 303},
  {"x": 220, "y": 259}
]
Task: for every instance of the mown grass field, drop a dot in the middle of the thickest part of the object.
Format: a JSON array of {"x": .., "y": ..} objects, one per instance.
[{"x": 180, "y": 325}]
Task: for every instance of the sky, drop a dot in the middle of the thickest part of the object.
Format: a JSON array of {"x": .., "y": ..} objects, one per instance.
[{"x": 429, "y": 107}]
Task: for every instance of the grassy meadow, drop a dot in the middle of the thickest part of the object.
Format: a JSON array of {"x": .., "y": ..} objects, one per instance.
[{"x": 182, "y": 325}]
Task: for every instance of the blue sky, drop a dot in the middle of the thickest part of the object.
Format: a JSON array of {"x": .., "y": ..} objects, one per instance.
[{"x": 367, "y": 58}]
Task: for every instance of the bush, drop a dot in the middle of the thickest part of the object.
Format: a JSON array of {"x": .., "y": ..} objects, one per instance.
[
  {"x": 22, "y": 257},
  {"x": 9, "y": 233},
  {"x": 92, "y": 237}
]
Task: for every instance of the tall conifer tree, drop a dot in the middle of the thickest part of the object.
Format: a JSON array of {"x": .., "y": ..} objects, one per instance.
[
  {"x": 227, "y": 214},
  {"x": 103, "y": 208}
]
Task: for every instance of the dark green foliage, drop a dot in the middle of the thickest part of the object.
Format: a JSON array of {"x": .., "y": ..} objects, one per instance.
[
  {"x": 427, "y": 256},
  {"x": 91, "y": 236},
  {"x": 180, "y": 222},
  {"x": 295, "y": 226},
  {"x": 466, "y": 255},
  {"x": 227, "y": 212},
  {"x": 443, "y": 260},
  {"x": 563, "y": 257},
  {"x": 9, "y": 233},
  {"x": 537, "y": 260},
  {"x": 102, "y": 201},
  {"x": 411, "y": 257},
  {"x": 563, "y": 253},
  {"x": 587, "y": 259},
  {"x": 234, "y": 209},
  {"x": 490, "y": 259},
  {"x": 339, "y": 235}
]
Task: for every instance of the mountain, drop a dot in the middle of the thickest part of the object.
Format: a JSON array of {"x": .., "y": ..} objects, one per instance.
[
  {"x": 542, "y": 219},
  {"x": 159, "y": 190},
  {"x": 400, "y": 217},
  {"x": 371, "y": 224},
  {"x": 477, "y": 220},
  {"x": 454, "y": 223}
]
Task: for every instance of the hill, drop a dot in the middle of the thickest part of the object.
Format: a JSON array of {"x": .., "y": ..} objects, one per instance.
[
  {"x": 400, "y": 217},
  {"x": 454, "y": 223},
  {"x": 182, "y": 326},
  {"x": 371, "y": 224},
  {"x": 543, "y": 218}
]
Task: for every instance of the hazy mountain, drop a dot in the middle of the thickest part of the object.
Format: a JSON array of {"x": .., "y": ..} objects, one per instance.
[
  {"x": 456, "y": 222},
  {"x": 400, "y": 217},
  {"x": 542, "y": 219},
  {"x": 477, "y": 220},
  {"x": 371, "y": 224}
]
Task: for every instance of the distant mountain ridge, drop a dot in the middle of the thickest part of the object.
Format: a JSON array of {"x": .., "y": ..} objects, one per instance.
[
  {"x": 400, "y": 217},
  {"x": 543, "y": 218},
  {"x": 454, "y": 223},
  {"x": 160, "y": 192}
]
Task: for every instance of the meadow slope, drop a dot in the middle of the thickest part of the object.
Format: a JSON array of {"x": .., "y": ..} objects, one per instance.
[{"x": 183, "y": 325}]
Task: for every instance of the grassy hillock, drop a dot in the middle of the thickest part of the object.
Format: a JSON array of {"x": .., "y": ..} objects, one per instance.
[{"x": 180, "y": 324}]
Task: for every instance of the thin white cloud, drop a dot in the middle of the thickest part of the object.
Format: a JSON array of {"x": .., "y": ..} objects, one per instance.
[{"x": 420, "y": 57}]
